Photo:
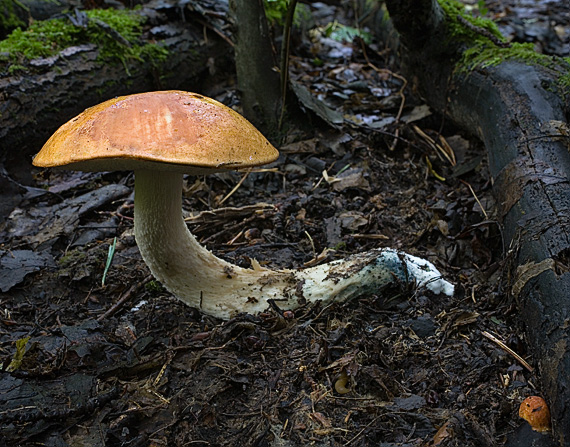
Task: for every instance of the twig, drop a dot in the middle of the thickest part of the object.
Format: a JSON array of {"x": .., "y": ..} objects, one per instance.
[
  {"x": 124, "y": 299},
  {"x": 447, "y": 150},
  {"x": 312, "y": 244},
  {"x": 370, "y": 236},
  {"x": 476, "y": 198},
  {"x": 359, "y": 434},
  {"x": 443, "y": 151},
  {"x": 233, "y": 240},
  {"x": 509, "y": 350},
  {"x": 226, "y": 213},
  {"x": 235, "y": 188},
  {"x": 220, "y": 33}
]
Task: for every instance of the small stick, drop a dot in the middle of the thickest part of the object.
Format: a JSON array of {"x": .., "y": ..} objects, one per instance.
[
  {"x": 235, "y": 188},
  {"x": 124, "y": 299},
  {"x": 312, "y": 244},
  {"x": 370, "y": 236},
  {"x": 235, "y": 238},
  {"x": 509, "y": 350},
  {"x": 476, "y": 198}
]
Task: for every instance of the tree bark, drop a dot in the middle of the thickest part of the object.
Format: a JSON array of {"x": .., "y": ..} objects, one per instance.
[
  {"x": 516, "y": 110},
  {"x": 258, "y": 79},
  {"x": 35, "y": 103}
]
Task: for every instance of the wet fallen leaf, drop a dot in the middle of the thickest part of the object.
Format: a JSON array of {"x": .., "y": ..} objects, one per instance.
[
  {"x": 16, "y": 264},
  {"x": 352, "y": 220},
  {"x": 444, "y": 432},
  {"x": 351, "y": 178},
  {"x": 45, "y": 224}
]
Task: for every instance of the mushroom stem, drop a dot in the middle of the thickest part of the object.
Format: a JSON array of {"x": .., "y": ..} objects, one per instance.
[{"x": 221, "y": 289}]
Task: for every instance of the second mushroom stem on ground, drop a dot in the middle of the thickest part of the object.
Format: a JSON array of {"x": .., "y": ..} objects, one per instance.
[{"x": 218, "y": 288}]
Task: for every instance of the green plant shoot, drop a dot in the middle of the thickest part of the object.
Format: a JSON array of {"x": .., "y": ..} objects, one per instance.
[{"x": 110, "y": 256}]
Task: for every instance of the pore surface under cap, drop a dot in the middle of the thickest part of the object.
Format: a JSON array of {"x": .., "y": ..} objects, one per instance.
[{"x": 180, "y": 129}]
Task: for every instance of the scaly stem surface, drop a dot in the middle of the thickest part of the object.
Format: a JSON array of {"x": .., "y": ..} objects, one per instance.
[{"x": 219, "y": 288}]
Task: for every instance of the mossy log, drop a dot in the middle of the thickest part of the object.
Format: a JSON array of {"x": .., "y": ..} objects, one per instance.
[
  {"x": 47, "y": 92},
  {"x": 518, "y": 110}
]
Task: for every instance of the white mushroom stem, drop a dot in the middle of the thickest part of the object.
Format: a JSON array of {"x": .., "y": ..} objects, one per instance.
[{"x": 219, "y": 288}]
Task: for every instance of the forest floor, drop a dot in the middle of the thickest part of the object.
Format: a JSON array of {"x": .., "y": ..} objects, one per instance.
[{"x": 127, "y": 364}]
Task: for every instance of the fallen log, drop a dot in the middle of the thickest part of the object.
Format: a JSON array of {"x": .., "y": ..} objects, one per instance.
[
  {"x": 47, "y": 92},
  {"x": 519, "y": 111}
]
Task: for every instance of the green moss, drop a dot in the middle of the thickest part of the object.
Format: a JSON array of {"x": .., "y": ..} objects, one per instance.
[
  {"x": 9, "y": 18},
  {"x": 154, "y": 287},
  {"x": 458, "y": 31},
  {"x": 340, "y": 246},
  {"x": 479, "y": 46},
  {"x": 117, "y": 34},
  {"x": 487, "y": 55},
  {"x": 42, "y": 39},
  {"x": 483, "y": 51},
  {"x": 153, "y": 53},
  {"x": 276, "y": 10},
  {"x": 129, "y": 25},
  {"x": 126, "y": 23},
  {"x": 72, "y": 257},
  {"x": 14, "y": 68},
  {"x": 564, "y": 80}
]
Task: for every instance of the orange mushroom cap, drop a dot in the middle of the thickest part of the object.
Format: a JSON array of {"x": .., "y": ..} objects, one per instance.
[
  {"x": 165, "y": 130},
  {"x": 535, "y": 411}
]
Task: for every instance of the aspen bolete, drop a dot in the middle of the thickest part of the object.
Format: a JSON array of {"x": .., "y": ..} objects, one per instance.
[{"x": 164, "y": 135}]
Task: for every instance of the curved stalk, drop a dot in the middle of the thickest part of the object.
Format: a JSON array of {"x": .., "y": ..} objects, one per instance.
[{"x": 219, "y": 288}]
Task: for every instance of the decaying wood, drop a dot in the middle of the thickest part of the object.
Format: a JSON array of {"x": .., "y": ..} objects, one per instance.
[
  {"x": 517, "y": 110},
  {"x": 34, "y": 103}
]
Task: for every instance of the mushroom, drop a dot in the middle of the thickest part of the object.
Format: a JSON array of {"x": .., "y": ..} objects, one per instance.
[
  {"x": 164, "y": 135},
  {"x": 535, "y": 411}
]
